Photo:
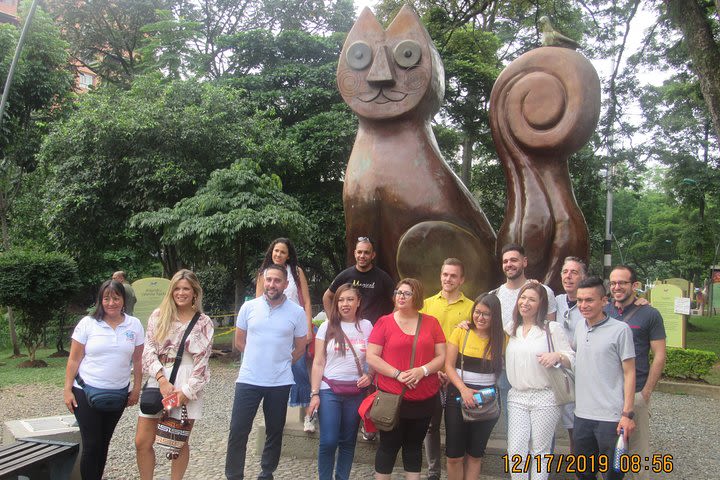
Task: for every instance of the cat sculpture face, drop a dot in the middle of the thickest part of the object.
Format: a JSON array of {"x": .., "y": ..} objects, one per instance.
[{"x": 389, "y": 73}]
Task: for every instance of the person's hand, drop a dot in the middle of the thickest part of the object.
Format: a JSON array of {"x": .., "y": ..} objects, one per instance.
[
  {"x": 444, "y": 380},
  {"x": 182, "y": 399},
  {"x": 646, "y": 394},
  {"x": 465, "y": 325},
  {"x": 640, "y": 301},
  {"x": 69, "y": 400},
  {"x": 134, "y": 396},
  {"x": 411, "y": 377},
  {"x": 309, "y": 337},
  {"x": 467, "y": 397},
  {"x": 628, "y": 427},
  {"x": 548, "y": 359},
  {"x": 166, "y": 388},
  {"x": 313, "y": 406},
  {"x": 364, "y": 381}
]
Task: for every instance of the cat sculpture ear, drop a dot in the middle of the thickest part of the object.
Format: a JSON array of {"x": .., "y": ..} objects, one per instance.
[{"x": 387, "y": 73}]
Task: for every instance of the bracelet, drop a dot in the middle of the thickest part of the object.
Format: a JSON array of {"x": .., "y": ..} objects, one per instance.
[
  {"x": 314, "y": 394},
  {"x": 397, "y": 373},
  {"x": 159, "y": 376},
  {"x": 425, "y": 370}
]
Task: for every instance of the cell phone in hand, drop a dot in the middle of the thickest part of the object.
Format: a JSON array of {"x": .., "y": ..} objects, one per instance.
[
  {"x": 171, "y": 401},
  {"x": 314, "y": 414}
]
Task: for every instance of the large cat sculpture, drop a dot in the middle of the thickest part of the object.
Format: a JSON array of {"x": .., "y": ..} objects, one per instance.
[{"x": 398, "y": 189}]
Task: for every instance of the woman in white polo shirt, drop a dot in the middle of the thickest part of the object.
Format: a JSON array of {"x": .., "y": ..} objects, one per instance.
[{"x": 105, "y": 346}]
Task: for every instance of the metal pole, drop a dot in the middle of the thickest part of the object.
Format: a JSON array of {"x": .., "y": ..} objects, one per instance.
[
  {"x": 18, "y": 51},
  {"x": 607, "y": 250}
]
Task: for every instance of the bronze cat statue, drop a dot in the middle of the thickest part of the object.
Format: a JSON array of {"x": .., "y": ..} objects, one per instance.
[{"x": 398, "y": 189}]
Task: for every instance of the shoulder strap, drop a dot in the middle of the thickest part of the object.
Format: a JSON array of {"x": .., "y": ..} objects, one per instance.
[
  {"x": 548, "y": 336},
  {"x": 352, "y": 349},
  {"x": 412, "y": 355},
  {"x": 181, "y": 348},
  {"x": 626, "y": 318}
]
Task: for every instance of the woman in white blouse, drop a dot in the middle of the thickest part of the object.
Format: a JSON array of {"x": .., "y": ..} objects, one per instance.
[{"x": 533, "y": 412}]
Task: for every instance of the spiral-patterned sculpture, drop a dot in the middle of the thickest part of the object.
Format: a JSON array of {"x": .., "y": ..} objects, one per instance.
[{"x": 543, "y": 108}]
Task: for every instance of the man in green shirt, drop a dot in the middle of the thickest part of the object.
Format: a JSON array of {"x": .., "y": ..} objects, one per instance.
[{"x": 450, "y": 307}]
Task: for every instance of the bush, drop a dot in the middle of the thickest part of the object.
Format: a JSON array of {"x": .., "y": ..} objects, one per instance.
[
  {"x": 689, "y": 363},
  {"x": 38, "y": 285},
  {"x": 218, "y": 288}
]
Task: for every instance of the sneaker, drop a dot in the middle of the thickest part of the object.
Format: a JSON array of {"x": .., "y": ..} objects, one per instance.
[
  {"x": 367, "y": 436},
  {"x": 308, "y": 425}
]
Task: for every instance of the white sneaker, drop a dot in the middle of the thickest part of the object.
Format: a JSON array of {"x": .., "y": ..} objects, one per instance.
[{"x": 308, "y": 425}]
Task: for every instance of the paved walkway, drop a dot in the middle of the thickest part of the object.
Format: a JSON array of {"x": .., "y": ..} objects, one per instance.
[{"x": 683, "y": 426}]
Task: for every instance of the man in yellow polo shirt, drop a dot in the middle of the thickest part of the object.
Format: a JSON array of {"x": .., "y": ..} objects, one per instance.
[{"x": 450, "y": 307}]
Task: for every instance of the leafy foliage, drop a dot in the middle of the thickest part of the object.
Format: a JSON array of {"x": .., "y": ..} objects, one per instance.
[
  {"x": 37, "y": 284},
  {"x": 689, "y": 363}
]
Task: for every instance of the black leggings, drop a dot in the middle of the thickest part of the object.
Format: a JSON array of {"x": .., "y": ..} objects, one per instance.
[
  {"x": 96, "y": 429},
  {"x": 463, "y": 437},
  {"x": 408, "y": 435}
]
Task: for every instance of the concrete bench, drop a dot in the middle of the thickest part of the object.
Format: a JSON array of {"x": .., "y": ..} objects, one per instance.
[{"x": 37, "y": 459}]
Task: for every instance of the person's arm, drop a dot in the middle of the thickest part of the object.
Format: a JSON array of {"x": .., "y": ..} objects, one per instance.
[
  {"x": 466, "y": 393},
  {"x": 318, "y": 369},
  {"x": 627, "y": 424},
  {"x": 240, "y": 339},
  {"x": 77, "y": 352},
  {"x": 328, "y": 298},
  {"x": 200, "y": 346},
  {"x": 299, "y": 348},
  {"x": 258, "y": 286},
  {"x": 657, "y": 367},
  {"x": 137, "y": 375},
  {"x": 308, "y": 304},
  {"x": 377, "y": 363},
  {"x": 563, "y": 353}
]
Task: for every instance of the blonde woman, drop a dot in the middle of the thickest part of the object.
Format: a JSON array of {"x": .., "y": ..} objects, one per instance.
[{"x": 165, "y": 330}]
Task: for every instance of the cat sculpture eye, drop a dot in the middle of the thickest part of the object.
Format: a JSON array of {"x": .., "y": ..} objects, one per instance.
[
  {"x": 407, "y": 53},
  {"x": 359, "y": 55}
]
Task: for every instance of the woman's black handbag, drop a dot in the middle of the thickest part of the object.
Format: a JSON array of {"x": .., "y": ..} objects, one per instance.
[{"x": 150, "y": 397}]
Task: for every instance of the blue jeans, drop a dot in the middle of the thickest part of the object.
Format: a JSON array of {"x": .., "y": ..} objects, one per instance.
[
  {"x": 339, "y": 421},
  {"x": 245, "y": 405},
  {"x": 593, "y": 438}
]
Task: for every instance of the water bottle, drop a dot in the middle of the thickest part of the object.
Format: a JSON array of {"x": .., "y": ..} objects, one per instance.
[
  {"x": 620, "y": 450},
  {"x": 481, "y": 396}
]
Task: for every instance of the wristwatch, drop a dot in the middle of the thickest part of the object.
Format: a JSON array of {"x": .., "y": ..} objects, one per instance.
[
  {"x": 425, "y": 370},
  {"x": 629, "y": 415}
]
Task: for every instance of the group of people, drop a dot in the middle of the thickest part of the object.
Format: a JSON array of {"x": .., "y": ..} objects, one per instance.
[
  {"x": 437, "y": 352},
  {"x": 110, "y": 343}
]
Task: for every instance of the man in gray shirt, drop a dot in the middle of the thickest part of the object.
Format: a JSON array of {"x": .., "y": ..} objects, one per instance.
[{"x": 604, "y": 380}]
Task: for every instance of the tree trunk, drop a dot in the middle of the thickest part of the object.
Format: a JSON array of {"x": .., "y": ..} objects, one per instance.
[
  {"x": 6, "y": 247},
  {"x": 467, "y": 160},
  {"x": 704, "y": 52},
  {"x": 239, "y": 275}
]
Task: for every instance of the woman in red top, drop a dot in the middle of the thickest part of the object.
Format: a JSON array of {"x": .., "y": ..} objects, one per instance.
[{"x": 388, "y": 353}]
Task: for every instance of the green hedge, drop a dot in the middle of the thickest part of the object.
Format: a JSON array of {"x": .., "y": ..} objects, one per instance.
[{"x": 689, "y": 363}]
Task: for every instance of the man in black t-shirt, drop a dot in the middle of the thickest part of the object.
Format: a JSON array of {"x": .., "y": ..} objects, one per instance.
[{"x": 376, "y": 286}]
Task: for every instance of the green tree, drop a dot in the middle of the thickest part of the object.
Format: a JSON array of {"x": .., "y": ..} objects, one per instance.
[
  {"x": 38, "y": 285},
  {"x": 107, "y": 36},
  {"x": 41, "y": 85},
  {"x": 236, "y": 210}
]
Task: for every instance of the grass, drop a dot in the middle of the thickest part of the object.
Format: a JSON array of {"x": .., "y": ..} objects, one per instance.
[{"x": 53, "y": 374}]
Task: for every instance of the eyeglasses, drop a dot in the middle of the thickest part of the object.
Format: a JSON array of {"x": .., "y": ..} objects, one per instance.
[
  {"x": 620, "y": 283},
  {"x": 364, "y": 239},
  {"x": 485, "y": 315},
  {"x": 403, "y": 293}
]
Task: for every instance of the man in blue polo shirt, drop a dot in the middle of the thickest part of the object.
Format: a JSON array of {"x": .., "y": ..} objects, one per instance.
[
  {"x": 270, "y": 330},
  {"x": 648, "y": 332}
]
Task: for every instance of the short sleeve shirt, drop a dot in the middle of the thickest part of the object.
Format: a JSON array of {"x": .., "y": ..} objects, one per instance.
[
  {"x": 397, "y": 348},
  {"x": 599, "y": 378},
  {"x": 646, "y": 325},
  {"x": 271, "y": 333},
  {"x": 376, "y": 290},
  {"x": 448, "y": 314},
  {"x": 477, "y": 366},
  {"x": 108, "y": 352},
  {"x": 569, "y": 317},
  {"x": 343, "y": 367}
]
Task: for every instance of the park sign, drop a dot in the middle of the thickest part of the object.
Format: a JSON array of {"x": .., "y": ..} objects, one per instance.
[
  {"x": 149, "y": 293},
  {"x": 663, "y": 299}
]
